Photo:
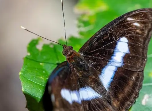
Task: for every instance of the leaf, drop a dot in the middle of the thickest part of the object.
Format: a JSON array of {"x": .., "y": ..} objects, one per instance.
[
  {"x": 39, "y": 63},
  {"x": 34, "y": 74}
]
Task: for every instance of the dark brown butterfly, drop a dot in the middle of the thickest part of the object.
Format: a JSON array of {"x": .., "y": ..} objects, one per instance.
[{"x": 107, "y": 72}]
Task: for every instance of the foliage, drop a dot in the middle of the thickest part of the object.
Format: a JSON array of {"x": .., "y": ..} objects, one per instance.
[{"x": 39, "y": 63}]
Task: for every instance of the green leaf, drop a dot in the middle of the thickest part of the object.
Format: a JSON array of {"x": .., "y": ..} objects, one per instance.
[
  {"x": 39, "y": 63},
  {"x": 34, "y": 74}
]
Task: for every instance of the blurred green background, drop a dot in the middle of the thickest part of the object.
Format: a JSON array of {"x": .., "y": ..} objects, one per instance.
[
  {"x": 37, "y": 16},
  {"x": 41, "y": 16}
]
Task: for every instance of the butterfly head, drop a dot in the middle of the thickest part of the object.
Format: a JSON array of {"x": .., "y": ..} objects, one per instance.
[
  {"x": 69, "y": 53},
  {"x": 67, "y": 50}
]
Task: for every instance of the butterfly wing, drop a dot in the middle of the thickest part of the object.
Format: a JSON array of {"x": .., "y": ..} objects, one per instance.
[
  {"x": 52, "y": 99},
  {"x": 116, "y": 55},
  {"x": 65, "y": 91},
  {"x": 119, "y": 52}
]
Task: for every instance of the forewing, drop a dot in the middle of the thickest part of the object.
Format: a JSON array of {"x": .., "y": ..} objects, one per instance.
[{"x": 119, "y": 52}]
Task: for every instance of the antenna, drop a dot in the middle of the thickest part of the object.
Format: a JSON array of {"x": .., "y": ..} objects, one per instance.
[
  {"x": 64, "y": 21},
  {"x": 40, "y": 35}
]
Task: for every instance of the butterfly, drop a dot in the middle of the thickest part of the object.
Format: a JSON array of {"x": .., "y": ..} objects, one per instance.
[{"x": 106, "y": 74}]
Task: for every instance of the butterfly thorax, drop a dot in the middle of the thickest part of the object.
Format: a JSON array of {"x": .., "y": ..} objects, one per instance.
[{"x": 75, "y": 60}]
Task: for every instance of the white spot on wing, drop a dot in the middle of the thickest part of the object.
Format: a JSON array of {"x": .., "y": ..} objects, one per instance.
[
  {"x": 136, "y": 24},
  {"x": 116, "y": 61},
  {"x": 75, "y": 96},
  {"x": 66, "y": 95},
  {"x": 86, "y": 93},
  {"x": 130, "y": 18},
  {"x": 52, "y": 97}
]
